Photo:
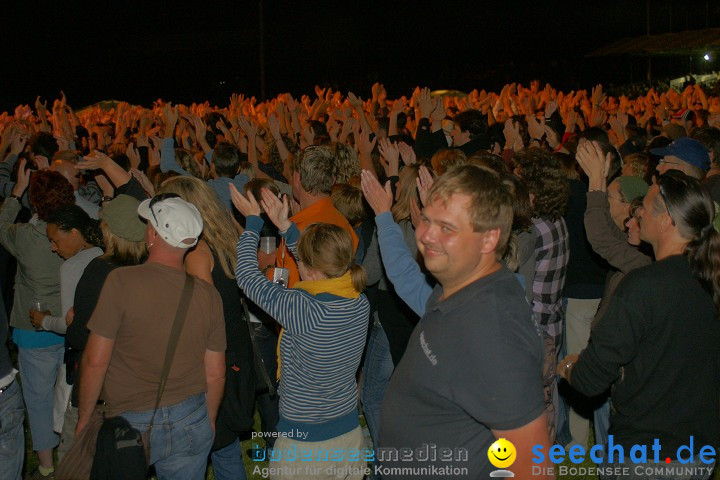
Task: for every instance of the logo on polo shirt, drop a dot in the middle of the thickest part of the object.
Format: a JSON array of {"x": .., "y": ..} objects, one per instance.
[{"x": 426, "y": 349}]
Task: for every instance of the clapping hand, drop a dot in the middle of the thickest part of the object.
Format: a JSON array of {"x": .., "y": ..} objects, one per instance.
[
  {"x": 246, "y": 205},
  {"x": 277, "y": 210},
  {"x": 379, "y": 198},
  {"x": 424, "y": 182},
  {"x": 594, "y": 163}
]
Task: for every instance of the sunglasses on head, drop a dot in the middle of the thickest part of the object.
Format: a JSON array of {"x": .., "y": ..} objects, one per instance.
[{"x": 159, "y": 198}]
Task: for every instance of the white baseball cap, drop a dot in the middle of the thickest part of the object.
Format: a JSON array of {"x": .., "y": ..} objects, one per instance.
[{"x": 178, "y": 222}]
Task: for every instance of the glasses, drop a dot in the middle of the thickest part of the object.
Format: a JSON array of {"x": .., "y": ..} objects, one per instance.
[
  {"x": 662, "y": 161},
  {"x": 159, "y": 198}
]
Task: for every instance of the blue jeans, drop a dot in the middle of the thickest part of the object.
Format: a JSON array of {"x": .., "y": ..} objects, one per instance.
[
  {"x": 181, "y": 438},
  {"x": 228, "y": 462},
  {"x": 12, "y": 436},
  {"x": 377, "y": 369},
  {"x": 601, "y": 424},
  {"x": 39, "y": 369}
]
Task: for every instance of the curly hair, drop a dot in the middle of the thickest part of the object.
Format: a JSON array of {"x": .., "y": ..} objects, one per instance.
[
  {"x": 546, "y": 181},
  {"x": 348, "y": 165},
  {"x": 72, "y": 216},
  {"x": 49, "y": 191},
  {"x": 186, "y": 160}
]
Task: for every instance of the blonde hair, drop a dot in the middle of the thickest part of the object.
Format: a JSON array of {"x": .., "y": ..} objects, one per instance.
[
  {"x": 121, "y": 251},
  {"x": 329, "y": 250},
  {"x": 218, "y": 231}
]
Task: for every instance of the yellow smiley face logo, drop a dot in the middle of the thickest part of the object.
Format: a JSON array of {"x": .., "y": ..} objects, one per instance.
[{"x": 502, "y": 453}]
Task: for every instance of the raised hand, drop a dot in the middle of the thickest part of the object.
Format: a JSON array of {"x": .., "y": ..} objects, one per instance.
[
  {"x": 133, "y": 155},
  {"x": 379, "y": 198},
  {"x": 23, "y": 179},
  {"x": 96, "y": 160},
  {"x": 247, "y": 206},
  {"x": 407, "y": 154},
  {"x": 424, "y": 182},
  {"x": 273, "y": 125},
  {"x": 355, "y": 102},
  {"x": 41, "y": 108},
  {"x": 593, "y": 161},
  {"x": 536, "y": 128},
  {"x": 598, "y": 118},
  {"x": 390, "y": 152},
  {"x": 170, "y": 115},
  {"x": 597, "y": 96},
  {"x": 397, "y": 106},
  {"x": 362, "y": 140},
  {"x": 424, "y": 103},
  {"x": 277, "y": 210},
  {"x": 550, "y": 108},
  {"x": 570, "y": 121},
  {"x": 247, "y": 127},
  {"x": 513, "y": 140},
  {"x": 438, "y": 112}
]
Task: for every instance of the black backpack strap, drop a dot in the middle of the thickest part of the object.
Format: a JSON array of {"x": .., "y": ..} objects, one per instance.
[{"x": 256, "y": 350}]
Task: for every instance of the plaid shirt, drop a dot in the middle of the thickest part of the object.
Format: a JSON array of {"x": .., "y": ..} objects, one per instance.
[{"x": 552, "y": 252}]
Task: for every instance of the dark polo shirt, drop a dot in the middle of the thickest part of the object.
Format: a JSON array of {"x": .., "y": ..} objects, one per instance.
[{"x": 473, "y": 363}]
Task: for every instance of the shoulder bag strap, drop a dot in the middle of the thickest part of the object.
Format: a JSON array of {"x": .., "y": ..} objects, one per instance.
[{"x": 177, "y": 327}]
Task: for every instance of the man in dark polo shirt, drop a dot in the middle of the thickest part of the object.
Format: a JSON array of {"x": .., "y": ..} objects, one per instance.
[{"x": 472, "y": 370}]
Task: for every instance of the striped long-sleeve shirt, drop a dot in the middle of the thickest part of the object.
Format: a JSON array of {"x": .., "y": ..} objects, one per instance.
[{"x": 320, "y": 349}]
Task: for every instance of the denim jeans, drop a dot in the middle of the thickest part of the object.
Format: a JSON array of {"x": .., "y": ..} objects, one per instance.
[
  {"x": 377, "y": 369},
  {"x": 39, "y": 369},
  {"x": 181, "y": 438},
  {"x": 228, "y": 462},
  {"x": 12, "y": 435},
  {"x": 601, "y": 424}
]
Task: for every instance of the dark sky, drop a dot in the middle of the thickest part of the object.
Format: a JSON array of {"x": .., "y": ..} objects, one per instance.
[{"x": 138, "y": 51}]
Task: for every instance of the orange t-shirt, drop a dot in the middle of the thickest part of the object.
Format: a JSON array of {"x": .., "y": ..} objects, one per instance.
[{"x": 322, "y": 211}]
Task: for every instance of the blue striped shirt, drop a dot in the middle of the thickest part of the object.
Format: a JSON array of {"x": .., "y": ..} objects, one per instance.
[{"x": 320, "y": 349}]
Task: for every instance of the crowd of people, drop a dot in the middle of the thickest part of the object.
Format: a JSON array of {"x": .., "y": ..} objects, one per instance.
[{"x": 454, "y": 269}]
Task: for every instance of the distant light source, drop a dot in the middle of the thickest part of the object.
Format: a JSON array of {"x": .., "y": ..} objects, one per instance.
[{"x": 707, "y": 57}]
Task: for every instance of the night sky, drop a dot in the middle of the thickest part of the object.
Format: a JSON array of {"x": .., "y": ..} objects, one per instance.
[{"x": 139, "y": 51}]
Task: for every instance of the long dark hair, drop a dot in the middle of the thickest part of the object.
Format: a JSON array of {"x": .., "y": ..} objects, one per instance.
[
  {"x": 71, "y": 216},
  {"x": 693, "y": 212}
]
